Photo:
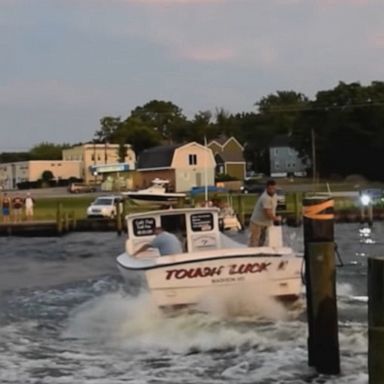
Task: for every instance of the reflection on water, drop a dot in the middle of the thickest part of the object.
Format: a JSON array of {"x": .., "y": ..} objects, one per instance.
[{"x": 66, "y": 318}]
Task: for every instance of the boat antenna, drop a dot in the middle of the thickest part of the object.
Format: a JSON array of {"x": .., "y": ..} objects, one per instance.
[{"x": 205, "y": 170}]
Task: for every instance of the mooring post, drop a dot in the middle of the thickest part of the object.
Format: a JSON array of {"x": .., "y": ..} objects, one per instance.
[
  {"x": 240, "y": 210},
  {"x": 376, "y": 320},
  {"x": 118, "y": 218},
  {"x": 66, "y": 222},
  {"x": 59, "y": 221},
  {"x": 73, "y": 216},
  {"x": 320, "y": 276},
  {"x": 370, "y": 214}
]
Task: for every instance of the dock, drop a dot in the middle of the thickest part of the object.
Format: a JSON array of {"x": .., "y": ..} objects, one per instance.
[{"x": 45, "y": 228}]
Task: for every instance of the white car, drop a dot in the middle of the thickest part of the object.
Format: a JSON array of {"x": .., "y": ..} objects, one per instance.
[{"x": 105, "y": 206}]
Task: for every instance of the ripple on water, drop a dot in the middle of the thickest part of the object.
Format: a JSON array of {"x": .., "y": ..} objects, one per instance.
[{"x": 67, "y": 319}]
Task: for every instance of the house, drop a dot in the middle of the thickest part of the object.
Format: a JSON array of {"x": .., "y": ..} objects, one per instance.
[
  {"x": 29, "y": 171},
  {"x": 104, "y": 158},
  {"x": 229, "y": 157},
  {"x": 184, "y": 165},
  {"x": 285, "y": 160}
]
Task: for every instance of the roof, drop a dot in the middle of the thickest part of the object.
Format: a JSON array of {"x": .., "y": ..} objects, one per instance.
[
  {"x": 280, "y": 141},
  {"x": 157, "y": 157},
  {"x": 223, "y": 140},
  {"x": 236, "y": 157}
]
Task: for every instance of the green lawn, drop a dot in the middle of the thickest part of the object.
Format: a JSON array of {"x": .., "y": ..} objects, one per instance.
[{"x": 46, "y": 208}]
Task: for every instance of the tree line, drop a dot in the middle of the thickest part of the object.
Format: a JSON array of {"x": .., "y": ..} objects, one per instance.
[{"x": 344, "y": 126}]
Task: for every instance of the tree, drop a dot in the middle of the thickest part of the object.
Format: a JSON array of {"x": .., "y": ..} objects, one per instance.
[
  {"x": 163, "y": 117},
  {"x": 133, "y": 131},
  {"x": 350, "y": 129},
  {"x": 108, "y": 127},
  {"x": 47, "y": 151}
]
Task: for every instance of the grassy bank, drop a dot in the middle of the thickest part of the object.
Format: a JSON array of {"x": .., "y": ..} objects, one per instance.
[{"x": 46, "y": 207}]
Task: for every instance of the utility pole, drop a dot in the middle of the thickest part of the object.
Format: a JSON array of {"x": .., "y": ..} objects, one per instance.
[{"x": 314, "y": 168}]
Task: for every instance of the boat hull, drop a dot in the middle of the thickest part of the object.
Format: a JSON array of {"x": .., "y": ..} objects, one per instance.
[
  {"x": 191, "y": 282},
  {"x": 153, "y": 199}
]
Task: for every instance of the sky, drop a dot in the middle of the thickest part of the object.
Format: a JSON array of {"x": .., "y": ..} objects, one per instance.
[{"x": 65, "y": 64}]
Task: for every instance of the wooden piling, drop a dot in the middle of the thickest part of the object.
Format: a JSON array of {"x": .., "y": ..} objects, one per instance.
[
  {"x": 320, "y": 277},
  {"x": 59, "y": 218},
  {"x": 119, "y": 226},
  {"x": 240, "y": 210},
  {"x": 73, "y": 220},
  {"x": 376, "y": 320},
  {"x": 66, "y": 222},
  {"x": 297, "y": 209}
]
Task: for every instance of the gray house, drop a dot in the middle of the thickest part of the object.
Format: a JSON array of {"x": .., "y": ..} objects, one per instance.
[{"x": 285, "y": 160}]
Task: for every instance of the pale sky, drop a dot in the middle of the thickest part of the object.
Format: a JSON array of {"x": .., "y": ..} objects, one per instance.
[{"x": 65, "y": 64}]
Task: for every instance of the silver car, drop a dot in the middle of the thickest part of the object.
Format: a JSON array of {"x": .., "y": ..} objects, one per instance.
[{"x": 105, "y": 206}]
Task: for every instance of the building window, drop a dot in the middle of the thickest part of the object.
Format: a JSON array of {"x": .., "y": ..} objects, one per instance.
[
  {"x": 276, "y": 151},
  {"x": 192, "y": 159},
  {"x": 93, "y": 157}
]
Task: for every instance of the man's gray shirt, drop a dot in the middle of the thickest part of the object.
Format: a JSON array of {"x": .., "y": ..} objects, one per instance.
[
  {"x": 167, "y": 243},
  {"x": 265, "y": 201}
]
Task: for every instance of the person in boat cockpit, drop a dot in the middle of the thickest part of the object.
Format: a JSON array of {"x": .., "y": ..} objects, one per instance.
[
  {"x": 263, "y": 215},
  {"x": 167, "y": 243}
]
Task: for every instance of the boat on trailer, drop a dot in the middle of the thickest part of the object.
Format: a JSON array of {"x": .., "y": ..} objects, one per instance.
[
  {"x": 211, "y": 262},
  {"x": 156, "y": 194}
]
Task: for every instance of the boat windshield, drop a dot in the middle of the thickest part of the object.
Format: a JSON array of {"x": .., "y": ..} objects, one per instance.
[{"x": 103, "y": 201}]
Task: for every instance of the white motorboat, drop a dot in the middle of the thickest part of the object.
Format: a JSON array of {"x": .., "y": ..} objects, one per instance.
[
  {"x": 211, "y": 262},
  {"x": 156, "y": 194}
]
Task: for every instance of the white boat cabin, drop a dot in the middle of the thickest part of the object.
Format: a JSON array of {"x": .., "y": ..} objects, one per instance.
[{"x": 197, "y": 229}]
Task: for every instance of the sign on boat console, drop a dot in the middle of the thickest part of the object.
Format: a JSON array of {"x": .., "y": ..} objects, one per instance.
[{"x": 196, "y": 228}]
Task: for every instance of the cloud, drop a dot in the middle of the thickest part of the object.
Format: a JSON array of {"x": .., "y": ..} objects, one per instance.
[
  {"x": 343, "y": 3},
  {"x": 46, "y": 93},
  {"x": 207, "y": 54},
  {"x": 175, "y": 2},
  {"x": 377, "y": 40}
]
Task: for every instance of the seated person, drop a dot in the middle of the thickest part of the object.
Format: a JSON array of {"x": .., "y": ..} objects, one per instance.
[{"x": 166, "y": 242}]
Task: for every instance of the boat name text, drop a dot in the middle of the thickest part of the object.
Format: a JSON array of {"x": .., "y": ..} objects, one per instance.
[{"x": 234, "y": 269}]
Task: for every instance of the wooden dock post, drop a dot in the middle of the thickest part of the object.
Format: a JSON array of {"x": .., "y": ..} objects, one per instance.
[
  {"x": 73, "y": 219},
  {"x": 320, "y": 276},
  {"x": 297, "y": 208},
  {"x": 59, "y": 218},
  {"x": 66, "y": 222},
  {"x": 240, "y": 210},
  {"x": 119, "y": 226},
  {"x": 376, "y": 320}
]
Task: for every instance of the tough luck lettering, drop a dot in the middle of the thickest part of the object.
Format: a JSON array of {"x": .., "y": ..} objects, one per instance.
[
  {"x": 239, "y": 269},
  {"x": 193, "y": 272},
  {"x": 234, "y": 269}
]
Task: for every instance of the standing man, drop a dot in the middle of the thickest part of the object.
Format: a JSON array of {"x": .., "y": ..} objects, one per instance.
[
  {"x": 29, "y": 203},
  {"x": 263, "y": 215},
  {"x": 166, "y": 242},
  {"x": 17, "y": 207}
]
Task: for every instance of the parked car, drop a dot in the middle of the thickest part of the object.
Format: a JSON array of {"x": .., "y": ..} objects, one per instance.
[
  {"x": 250, "y": 186},
  {"x": 81, "y": 188},
  {"x": 105, "y": 206}
]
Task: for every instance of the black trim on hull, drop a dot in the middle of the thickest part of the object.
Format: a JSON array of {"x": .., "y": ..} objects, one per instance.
[
  {"x": 198, "y": 261},
  {"x": 154, "y": 198}
]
